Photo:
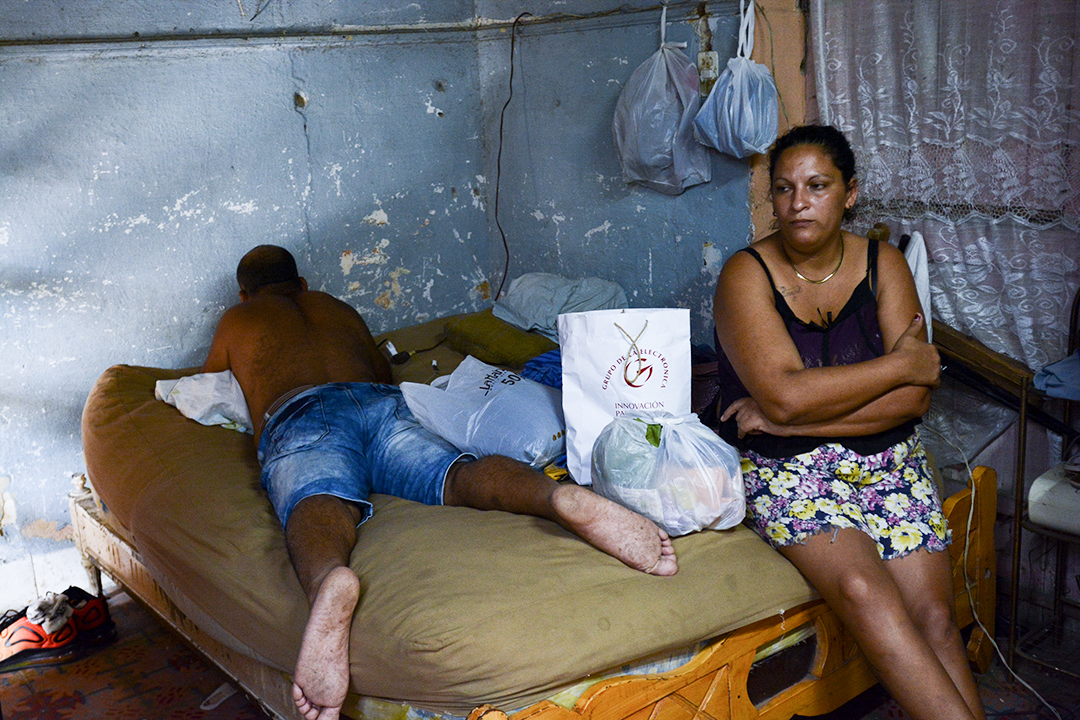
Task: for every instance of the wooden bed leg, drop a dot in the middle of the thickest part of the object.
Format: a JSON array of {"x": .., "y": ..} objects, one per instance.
[
  {"x": 80, "y": 493},
  {"x": 980, "y": 651},
  {"x": 984, "y": 584},
  {"x": 93, "y": 573},
  {"x": 974, "y": 576}
]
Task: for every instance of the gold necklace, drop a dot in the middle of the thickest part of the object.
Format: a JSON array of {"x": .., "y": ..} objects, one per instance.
[{"x": 825, "y": 279}]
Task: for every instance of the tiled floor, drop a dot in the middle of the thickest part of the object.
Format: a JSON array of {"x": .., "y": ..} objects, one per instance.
[
  {"x": 149, "y": 674},
  {"x": 1003, "y": 697}
]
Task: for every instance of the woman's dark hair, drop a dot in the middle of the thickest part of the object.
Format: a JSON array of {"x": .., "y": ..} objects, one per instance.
[
  {"x": 831, "y": 141},
  {"x": 266, "y": 265}
]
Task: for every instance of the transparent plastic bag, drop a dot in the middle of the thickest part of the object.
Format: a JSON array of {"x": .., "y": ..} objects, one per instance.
[
  {"x": 486, "y": 410},
  {"x": 653, "y": 124},
  {"x": 673, "y": 470},
  {"x": 741, "y": 115}
]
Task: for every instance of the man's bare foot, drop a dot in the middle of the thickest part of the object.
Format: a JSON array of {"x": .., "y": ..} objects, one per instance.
[
  {"x": 619, "y": 532},
  {"x": 321, "y": 680}
]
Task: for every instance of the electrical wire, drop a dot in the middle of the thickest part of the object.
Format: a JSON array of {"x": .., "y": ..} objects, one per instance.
[
  {"x": 969, "y": 585},
  {"x": 346, "y": 32},
  {"x": 403, "y": 356},
  {"x": 498, "y": 158},
  {"x": 622, "y": 10}
]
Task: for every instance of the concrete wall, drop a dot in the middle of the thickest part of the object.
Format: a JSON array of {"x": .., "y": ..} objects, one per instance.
[
  {"x": 570, "y": 207},
  {"x": 145, "y": 147}
]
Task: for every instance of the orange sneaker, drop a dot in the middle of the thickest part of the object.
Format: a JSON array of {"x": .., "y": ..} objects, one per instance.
[
  {"x": 26, "y": 644},
  {"x": 90, "y": 614}
]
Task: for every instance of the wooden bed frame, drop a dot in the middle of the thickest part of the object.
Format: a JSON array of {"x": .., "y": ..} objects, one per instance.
[{"x": 713, "y": 684}]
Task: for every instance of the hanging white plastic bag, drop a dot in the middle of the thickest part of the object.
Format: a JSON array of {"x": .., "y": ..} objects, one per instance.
[
  {"x": 674, "y": 471},
  {"x": 487, "y": 410},
  {"x": 653, "y": 125},
  {"x": 633, "y": 362},
  {"x": 741, "y": 115}
]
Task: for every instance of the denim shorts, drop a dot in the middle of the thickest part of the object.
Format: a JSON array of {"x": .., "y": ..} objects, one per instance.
[
  {"x": 890, "y": 496},
  {"x": 350, "y": 440}
]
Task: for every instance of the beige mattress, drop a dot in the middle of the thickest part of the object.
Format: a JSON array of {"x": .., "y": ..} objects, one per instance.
[{"x": 459, "y": 606}]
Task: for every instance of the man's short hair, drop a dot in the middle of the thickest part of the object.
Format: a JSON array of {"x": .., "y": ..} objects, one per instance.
[{"x": 266, "y": 265}]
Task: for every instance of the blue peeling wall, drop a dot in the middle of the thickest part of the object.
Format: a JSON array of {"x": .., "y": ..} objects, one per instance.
[
  {"x": 569, "y": 206},
  {"x": 145, "y": 146}
]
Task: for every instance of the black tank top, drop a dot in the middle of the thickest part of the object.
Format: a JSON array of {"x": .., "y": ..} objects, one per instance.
[{"x": 853, "y": 336}]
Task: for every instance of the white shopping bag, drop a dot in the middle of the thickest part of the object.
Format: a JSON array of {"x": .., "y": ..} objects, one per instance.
[{"x": 633, "y": 362}]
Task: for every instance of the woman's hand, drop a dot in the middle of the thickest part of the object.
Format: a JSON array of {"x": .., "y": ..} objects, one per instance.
[
  {"x": 920, "y": 357},
  {"x": 750, "y": 419}
]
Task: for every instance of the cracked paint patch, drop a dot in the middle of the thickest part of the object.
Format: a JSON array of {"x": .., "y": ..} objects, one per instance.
[
  {"x": 378, "y": 217},
  {"x": 183, "y": 209},
  {"x": 113, "y": 221},
  {"x": 377, "y": 256},
  {"x": 335, "y": 175},
  {"x": 387, "y": 300},
  {"x": 57, "y": 296},
  {"x": 242, "y": 208},
  {"x": 481, "y": 285},
  {"x": 705, "y": 310},
  {"x": 47, "y": 529},
  {"x": 598, "y": 229},
  {"x": 9, "y": 516},
  {"x": 432, "y": 110},
  {"x": 477, "y": 193},
  {"x": 712, "y": 260}
]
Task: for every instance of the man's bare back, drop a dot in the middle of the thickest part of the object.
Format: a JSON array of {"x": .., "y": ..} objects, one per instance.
[
  {"x": 277, "y": 342},
  {"x": 282, "y": 337}
]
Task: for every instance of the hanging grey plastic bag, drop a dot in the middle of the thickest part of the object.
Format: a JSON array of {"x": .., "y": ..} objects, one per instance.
[
  {"x": 673, "y": 470},
  {"x": 741, "y": 115},
  {"x": 653, "y": 125}
]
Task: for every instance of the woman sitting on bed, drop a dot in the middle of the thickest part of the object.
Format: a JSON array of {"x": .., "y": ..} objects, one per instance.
[{"x": 825, "y": 372}]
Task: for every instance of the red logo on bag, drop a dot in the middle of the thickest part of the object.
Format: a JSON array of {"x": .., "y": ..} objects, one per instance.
[
  {"x": 639, "y": 375},
  {"x": 638, "y": 369},
  {"x": 638, "y": 364}
]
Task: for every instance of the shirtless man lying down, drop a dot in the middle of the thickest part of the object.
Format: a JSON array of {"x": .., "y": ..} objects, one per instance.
[{"x": 330, "y": 429}]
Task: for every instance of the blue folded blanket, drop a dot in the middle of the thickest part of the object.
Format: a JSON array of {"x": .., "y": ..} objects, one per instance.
[
  {"x": 1060, "y": 379},
  {"x": 546, "y": 369}
]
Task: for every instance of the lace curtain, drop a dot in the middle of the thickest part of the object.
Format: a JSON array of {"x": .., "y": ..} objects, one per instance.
[{"x": 965, "y": 118}]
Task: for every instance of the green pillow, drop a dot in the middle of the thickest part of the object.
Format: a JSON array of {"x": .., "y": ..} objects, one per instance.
[{"x": 495, "y": 341}]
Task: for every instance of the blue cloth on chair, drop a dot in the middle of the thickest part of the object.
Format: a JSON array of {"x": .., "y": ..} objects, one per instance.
[{"x": 1060, "y": 379}]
